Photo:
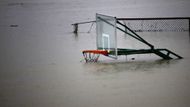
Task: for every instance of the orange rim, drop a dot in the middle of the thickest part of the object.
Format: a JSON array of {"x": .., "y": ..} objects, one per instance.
[{"x": 103, "y": 52}]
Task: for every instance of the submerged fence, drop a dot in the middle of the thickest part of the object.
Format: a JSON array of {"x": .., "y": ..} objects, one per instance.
[
  {"x": 164, "y": 24},
  {"x": 178, "y": 24}
]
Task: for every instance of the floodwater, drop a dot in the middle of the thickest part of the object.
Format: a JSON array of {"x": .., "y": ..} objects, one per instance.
[{"x": 41, "y": 64}]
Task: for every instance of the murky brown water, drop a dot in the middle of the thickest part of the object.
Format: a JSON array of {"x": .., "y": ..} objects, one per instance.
[{"x": 41, "y": 64}]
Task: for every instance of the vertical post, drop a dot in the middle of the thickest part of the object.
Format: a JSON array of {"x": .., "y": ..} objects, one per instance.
[
  {"x": 189, "y": 26},
  {"x": 75, "y": 28}
]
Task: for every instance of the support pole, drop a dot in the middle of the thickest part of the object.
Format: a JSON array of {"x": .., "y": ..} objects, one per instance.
[
  {"x": 189, "y": 28},
  {"x": 75, "y": 28},
  {"x": 136, "y": 36},
  {"x": 75, "y": 25},
  {"x": 125, "y": 28},
  {"x": 189, "y": 25}
]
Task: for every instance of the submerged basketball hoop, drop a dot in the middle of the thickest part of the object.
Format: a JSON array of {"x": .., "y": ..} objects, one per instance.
[
  {"x": 93, "y": 55},
  {"x": 106, "y": 41}
]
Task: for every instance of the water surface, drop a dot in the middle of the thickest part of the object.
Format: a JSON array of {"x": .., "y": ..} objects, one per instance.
[{"x": 41, "y": 64}]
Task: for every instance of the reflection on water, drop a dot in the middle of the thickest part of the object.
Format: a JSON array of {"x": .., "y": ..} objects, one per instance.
[{"x": 129, "y": 66}]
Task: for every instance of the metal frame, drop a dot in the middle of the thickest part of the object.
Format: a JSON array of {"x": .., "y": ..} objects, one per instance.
[
  {"x": 131, "y": 33},
  {"x": 98, "y": 18},
  {"x": 121, "y": 19},
  {"x": 163, "y": 53}
]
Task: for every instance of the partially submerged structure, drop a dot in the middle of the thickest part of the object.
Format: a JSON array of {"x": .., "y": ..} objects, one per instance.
[{"x": 106, "y": 40}]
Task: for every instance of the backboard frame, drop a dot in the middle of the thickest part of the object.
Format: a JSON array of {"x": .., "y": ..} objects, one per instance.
[{"x": 106, "y": 34}]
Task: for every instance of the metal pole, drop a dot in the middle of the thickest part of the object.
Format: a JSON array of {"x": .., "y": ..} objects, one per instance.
[
  {"x": 136, "y": 35},
  {"x": 75, "y": 25},
  {"x": 158, "y": 18},
  {"x": 189, "y": 29},
  {"x": 75, "y": 28},
  {"x": 189, "y": 26},
  {"x": 125, "y": 28}
]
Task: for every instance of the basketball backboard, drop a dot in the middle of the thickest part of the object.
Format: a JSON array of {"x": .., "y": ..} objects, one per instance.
[{"x": 106, "y": 34}]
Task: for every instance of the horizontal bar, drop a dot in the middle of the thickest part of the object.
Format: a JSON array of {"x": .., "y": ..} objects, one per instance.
[
  {"x": 83, "y": 22},
  {"x": 156, "y": 18}
]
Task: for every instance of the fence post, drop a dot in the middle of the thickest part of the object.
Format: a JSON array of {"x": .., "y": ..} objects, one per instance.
[
  {"x": 75, "y": 28},
  {"x": 189, "y": 26}
]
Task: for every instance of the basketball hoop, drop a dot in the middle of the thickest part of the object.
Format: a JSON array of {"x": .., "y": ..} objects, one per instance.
[{"x": 93, "y": 55}]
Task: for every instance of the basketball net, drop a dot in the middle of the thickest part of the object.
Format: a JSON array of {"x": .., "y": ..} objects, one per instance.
[{"x": 93, "y": 55}]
